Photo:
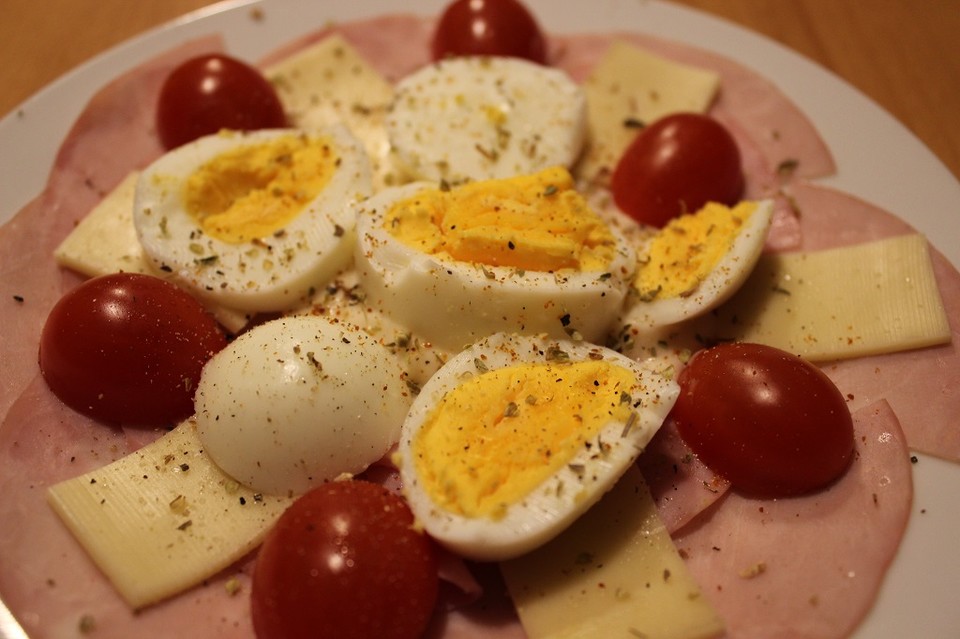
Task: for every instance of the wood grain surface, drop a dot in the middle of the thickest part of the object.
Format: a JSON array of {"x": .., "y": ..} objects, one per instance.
[{"x": 901, "y": 53}]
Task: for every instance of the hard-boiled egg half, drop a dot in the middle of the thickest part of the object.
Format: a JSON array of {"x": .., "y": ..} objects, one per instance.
[
  {"x": 696, "y": 262},
  {"x": 474, "y": 118},
  {"x": 517, "y": 436},
  {"x": 523, "y": 254},
  {"x": 299, "y": 401},
  {"x": 253, "y": 221}
]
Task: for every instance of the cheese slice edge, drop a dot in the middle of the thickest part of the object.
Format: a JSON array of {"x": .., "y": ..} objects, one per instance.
[
  {"x": 163, "y": 518},
  {"x": 614, "y": 573}
]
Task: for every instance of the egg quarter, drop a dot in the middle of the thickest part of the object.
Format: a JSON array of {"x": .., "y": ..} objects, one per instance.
[
  {"x": 253, "y": 221},
  {"x": 694, "y": 264},
  {"x": 518, "y": 435}
]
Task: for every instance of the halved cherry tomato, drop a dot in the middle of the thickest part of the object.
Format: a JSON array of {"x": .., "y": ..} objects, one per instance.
[
  {"x": 128, "y": 348},
  {"x": 344, "y": 562},
  {"x": 213, "y": 92},
  {"x": 675, "y": 166},
  {"x": 489, "y": 27},
  {"x": 768, "y": 421}
]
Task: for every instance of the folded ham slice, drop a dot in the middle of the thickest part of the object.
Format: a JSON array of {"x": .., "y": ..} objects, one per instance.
[
  {"x": 112, "y": 136},
  {"x": 922, "y": 386},
  {"x": 808, "y": 567}
]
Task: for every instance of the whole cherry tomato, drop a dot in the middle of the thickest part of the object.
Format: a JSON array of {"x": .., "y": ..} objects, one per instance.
[
  {"x": 128, "y": 348},
  {"x": 675, "y": 166},
  {"x": 768, "y": 421},
  {"x": 213, "y": 92},
  {"x": 344, "y": 561},
  {"x": 489, "y": 27}
]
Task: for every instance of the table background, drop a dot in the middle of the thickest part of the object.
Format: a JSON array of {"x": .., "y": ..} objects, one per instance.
[{"x": 901, "y": 53}]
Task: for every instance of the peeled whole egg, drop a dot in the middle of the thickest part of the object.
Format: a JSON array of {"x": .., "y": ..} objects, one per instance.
[
  {"x": 299, "y": 401},
  {"x": 517, "y": 436},
  {"x": 253, "y": 221}
]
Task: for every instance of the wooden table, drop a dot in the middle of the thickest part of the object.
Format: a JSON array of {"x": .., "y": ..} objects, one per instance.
[{"x": 901, "y": 53}]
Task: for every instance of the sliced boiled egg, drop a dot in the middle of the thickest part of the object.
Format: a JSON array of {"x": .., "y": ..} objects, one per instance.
[
  {"x": 253, "y": 221},
  {"x": 695, "y": 263},
  {"x": 474, "y": 118},
  {"x": 523, "y": 254},
  {"x": 299, "y": 401},
  {"x": 517, "y": 436}
]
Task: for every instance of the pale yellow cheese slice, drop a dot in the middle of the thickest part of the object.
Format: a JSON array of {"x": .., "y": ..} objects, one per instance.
[
  {"x": 164, "y": 518},
  {"x": 614, "y": 573},
  {"x": 105, "y": 241},
  {"x": 630, "y": 88},
  {"x": 873, "y": 298},
  {"x": 329, "y": 82}
]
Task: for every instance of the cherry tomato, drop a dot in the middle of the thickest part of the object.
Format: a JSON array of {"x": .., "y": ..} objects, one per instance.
[
  {"x": 675, "y": 166},
  {"x": 128, "y": 348},
  {"x": 489, "y": 27},
  {"x": 213, "y": 92},
  {"x": 768, "y": 421},
  {"x": 345, "y": 562}
]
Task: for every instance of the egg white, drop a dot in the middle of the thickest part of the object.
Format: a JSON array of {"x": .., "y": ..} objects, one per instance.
[
  {"x": 299, "y": 401},
  {"x": 267, "y": 274},
  {"x": 656, "y": 316},
  {"x": 553, "y": 505},
  {"x": 453, "y": 303},
  {"x": 474, "y": 118}
]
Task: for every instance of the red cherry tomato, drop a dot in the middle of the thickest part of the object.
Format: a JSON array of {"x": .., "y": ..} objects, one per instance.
[
  {"x": 770, "y": 422},
  {"x": 213, "y": 92},
  {"x": 489, "y": 27},
  {"x": 128, "y": 348},
  {"x": 344, "y": 562},
  {"x": 675, "y": 166}
]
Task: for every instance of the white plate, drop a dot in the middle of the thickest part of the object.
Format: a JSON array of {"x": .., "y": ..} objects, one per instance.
[{"x": 877, "y": 159}]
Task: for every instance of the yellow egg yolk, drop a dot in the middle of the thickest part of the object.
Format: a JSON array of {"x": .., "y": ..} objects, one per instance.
[
  {"x": 535, "y": 222},
  {"x": 688, "y": 248},
  {"x": 253, "y": 191},
  {"x": 496, "y": 437}
]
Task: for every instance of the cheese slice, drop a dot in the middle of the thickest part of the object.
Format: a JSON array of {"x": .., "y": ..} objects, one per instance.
[
  {"x": 164, "y": 518},
  {"x": 873, "y": 298},
  {"x": 614, "y": 573},
  {"x": 329, "y": 82},
  {"x": 105, "y": 241},
  {"x": 631, "y": 88}
]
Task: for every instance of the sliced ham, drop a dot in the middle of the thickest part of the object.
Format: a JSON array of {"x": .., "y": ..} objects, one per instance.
[
  {"x": 782, "y": 132},
  {"x": 45, "y": 576},
  {"x": 681, "y": 485},
  {"x": 922, "y": 386},
  {"x": 113, "y": 135},
  {"x": 808, "y": 567}
]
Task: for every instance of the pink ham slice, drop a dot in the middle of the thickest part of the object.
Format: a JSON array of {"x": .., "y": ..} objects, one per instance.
[
  {"x": 808, "y": 567},
  {"x": 45, "y": 577},
  {"x": 681, "y": 485},
  {"x": 922, "y": 386},
  {"x": 776, "y": 125},
  {"x": 113, "y": 135}
]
